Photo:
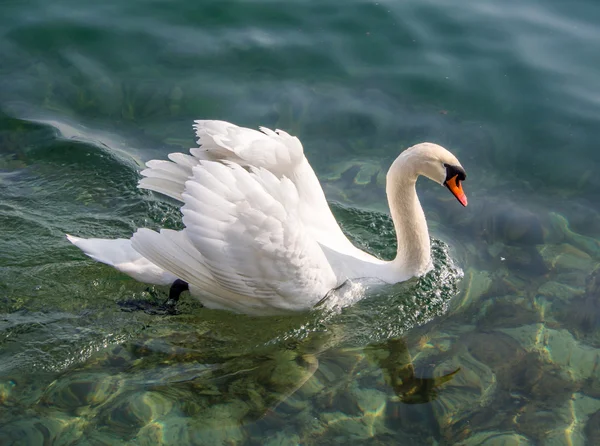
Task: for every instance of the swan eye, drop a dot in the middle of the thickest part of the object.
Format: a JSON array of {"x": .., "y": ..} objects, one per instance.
[{"x": 455, "y": 171}]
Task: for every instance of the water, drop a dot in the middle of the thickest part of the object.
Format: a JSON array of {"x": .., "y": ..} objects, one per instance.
[{"x": 87, "y": 93}]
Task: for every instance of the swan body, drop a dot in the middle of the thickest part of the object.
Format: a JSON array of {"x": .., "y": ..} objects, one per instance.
[{"x": 259, "y": 236}]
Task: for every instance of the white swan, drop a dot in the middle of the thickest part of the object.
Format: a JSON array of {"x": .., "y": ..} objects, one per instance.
[{"x": 259, "y": 237}]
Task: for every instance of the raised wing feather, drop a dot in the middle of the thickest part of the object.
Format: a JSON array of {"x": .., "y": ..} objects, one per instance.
[
  {"x": 276, "y": 151},
  {"x": 168, "y": 177}
]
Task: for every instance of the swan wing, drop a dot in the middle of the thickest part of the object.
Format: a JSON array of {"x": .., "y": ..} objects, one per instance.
[
  {"x": 168, "y": 177},
  {"x": 246, "y": 233},
  {"x": 276, "y": 151}
]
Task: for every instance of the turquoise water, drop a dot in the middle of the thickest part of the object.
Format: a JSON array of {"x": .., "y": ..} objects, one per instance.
[{"x": 88, "y": 93}]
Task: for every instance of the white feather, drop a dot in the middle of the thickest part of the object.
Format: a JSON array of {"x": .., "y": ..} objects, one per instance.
[
  {"x": 120, "y": 254},
  {"x": 259, "y": 237}
]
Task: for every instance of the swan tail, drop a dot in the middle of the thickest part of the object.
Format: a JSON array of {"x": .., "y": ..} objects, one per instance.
[{"x": 120, "y": 254}]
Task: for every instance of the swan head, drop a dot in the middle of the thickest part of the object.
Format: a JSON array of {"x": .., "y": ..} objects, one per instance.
[{"x": 434, "y": 162}]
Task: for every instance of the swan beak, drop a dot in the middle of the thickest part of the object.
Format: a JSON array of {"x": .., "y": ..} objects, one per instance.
[{"x": 456, "y": 188}]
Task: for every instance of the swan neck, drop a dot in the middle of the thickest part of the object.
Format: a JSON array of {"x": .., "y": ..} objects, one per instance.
[{"x": 413, "y": 257}]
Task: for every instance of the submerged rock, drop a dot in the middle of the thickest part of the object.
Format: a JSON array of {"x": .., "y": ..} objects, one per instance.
[
  {"x": 358, "y": 171},
  {"x": 355, "y": 428},
  {"x": 172, "y": 429},
  {"x": 471, "y": 389},
  {"x": 497, "y": 439},
  {"x": 508, "y": 223},
  {"x": 80, "y": 390},
  {"x": 494, "y": 349},
  {"x": 560, "y": 231},
  {"x": 6, "y": 389},
  {"x": 558, "y": 347},
  {"x": 523, "y": 261},
  {"x": 475, "y": 284},
  {"x": 583, "y": 313},
  {"x": 34, "y": 430},
  {"x": 567, "y": 424},
  {"x": 508, "y": 311},
  {"x": 565, "y": 257},
  {"x": 220, "y": 424},
  {"x": 559, "y": 290},
  {"x": 282, "y": 439},
  {"x": 592, "y": 429},
  {"x": 132, "y": 411}
]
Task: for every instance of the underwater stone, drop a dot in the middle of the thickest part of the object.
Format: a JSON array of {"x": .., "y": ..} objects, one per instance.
[
  {"x": 559, "y": 347},
  {"x": 495, "y": 249},
  {"x": 136, "y": 411},
  {"x": 591, "y": 386},
  {"x": 561, "y": 231},
  {"x": 369, "y": 400},
  {"x": 366, "y": 174},
  {"x": 471, "y": 388},
  {"x": 559, "y": 290},
  {"x": 508, "y": 311},
  {"x": 339, "y": 169},
  {"x": 172, "y": 429},
  {"x": 566, "y": 257},
  {"x": 357, "y": 427},
  {"x": 286, "y": 373},
  {"x": 215, "y": 434},
  {"x": 359, "y": 171},
  {"x": 592, "y": 429},
  {"x": 583, "y": 313},
  {"x": 151, "y": 434},
  {"x": 476, "y": 284},
  {"x": 505, "y": 222},
  {"x": 572, "y": 433},
  {"x": 102, "y": 437},
  {"x": 538, "y": 422},
  {"x": 527, "y": 335},
  {"x": 31, "y": 431},
  {"x": 330, "y": 371},
  {"x": 220, "y": 424},
  {"x": 496, "y": 439},
  {"x": 311, "y": 387},
  {"x": 494, "y": 349},
  {"x": 564, "y": 350},
  {"x": 283, "y": 439},
  {"x": 523, "y": 261},
  {"x": 81, "y": 390},
  {"x": 5, "y": 391}
]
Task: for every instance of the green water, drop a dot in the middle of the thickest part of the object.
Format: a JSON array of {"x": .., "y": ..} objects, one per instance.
[{"x": 90, "y": 92}]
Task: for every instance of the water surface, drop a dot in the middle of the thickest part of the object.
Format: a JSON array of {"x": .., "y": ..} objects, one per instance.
[{"x": 90, "y": 92}]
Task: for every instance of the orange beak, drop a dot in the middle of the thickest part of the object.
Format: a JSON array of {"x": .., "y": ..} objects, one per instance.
[{"x": 456, "y": 188}]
